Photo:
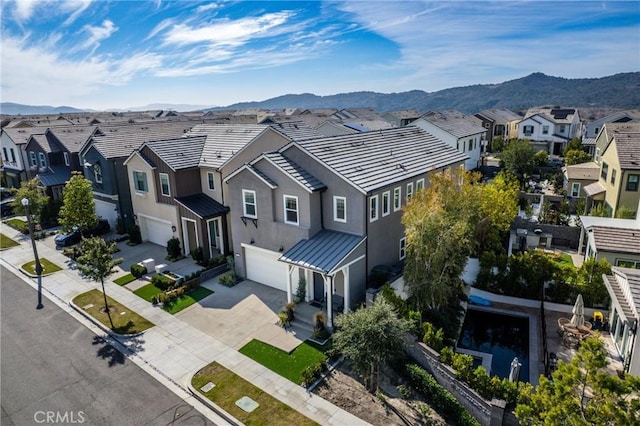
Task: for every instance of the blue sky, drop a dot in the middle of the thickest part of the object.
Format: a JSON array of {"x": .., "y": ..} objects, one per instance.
[{"x": 120, "y": 54}]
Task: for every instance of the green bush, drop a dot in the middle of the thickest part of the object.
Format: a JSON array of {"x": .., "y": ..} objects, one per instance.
[
  {"x": 138, "y": 270},
  {"x": 216, "y": 261},
  {"x": 162, "y": 281},
  {"x": 135, "y": 237},
  {"x": 404, "y": 391},
  {"x": 311, "y": 373},
  {"x": 173, "y": 248},
  {"x": 197, "y": 254},
  {"x": 228, "y": 279},
  {"x": 432, "y": 337}
]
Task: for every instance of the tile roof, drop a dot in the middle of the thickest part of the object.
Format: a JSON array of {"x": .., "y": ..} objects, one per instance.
[
  {"x": 73, "y": 137},
  {"x": 202, "y": 205},
  {"x": 296, "y": 172},
  {"x": 594, "y": 188},
  {"x": 372, "y": 160},
  {"x": 586, "y": 171},
  {"x": 178, "y": 153},
  {"x": 619, "y": 240},
  {"x": 555, "y": 115},
  {"x": 627, "y": 139},
  {"x": 455, "y": 124},
  {"x": 21, "y": 135},
  {"x": 322, "y": 252},
  {"x": 500, "y": 114},
  {"x": 46, "y": 143},
  {"x": 296, "y": 130}
]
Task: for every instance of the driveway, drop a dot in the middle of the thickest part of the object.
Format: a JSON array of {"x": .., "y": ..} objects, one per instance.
[{"x": 242, "y": 313}]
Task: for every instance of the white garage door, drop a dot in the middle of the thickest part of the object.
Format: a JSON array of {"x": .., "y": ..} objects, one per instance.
[
  {"x": 107, "y": 211},
  {"x": 155, "y": 230},
  {"x": 263, "y": 267}
]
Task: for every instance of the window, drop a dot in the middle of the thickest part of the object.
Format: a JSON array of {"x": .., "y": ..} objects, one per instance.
[
  {"x": 614, "y": 172},
  {"x": 632, "y": 182},
  {"x": 13, "y": 155},
  {"x": 545, "y": 130},
  {"x": 43, "y": 159},
  {"x": 628, "y": 263},
  {"x": 340, "y": 209},
  {"x": 249, "y": 203},
  {"x": 575, "y": 189},
  {"x": 458, "y": 145},
  {"x": 386, "y": 203},
  {"x": 470, "y": 144},
  {"x": 403, "y": 248},
  {"x": 528, "y": 130},
  {"x": 604, "y": 171},
  {"x": 66, "y": 158},
  {"x": 597, "y": 157},
  {"x": 397, "y": 199},
  {"x": 373, "y": 208},
  {"x": 291, "y": 209},
  {"x": 32, "y": 158},
  {"x": 562, "y": 128},
  {"x": 97, "y": 172},
  {"x": 140, "y": 181},
  {"x": 409, "y": 190},
  {"x": 419, "y": 184},
  {"x": 211, "y": 181},
  {"x": 164, "y": 185},
  {"x": 6, "y": 156}
]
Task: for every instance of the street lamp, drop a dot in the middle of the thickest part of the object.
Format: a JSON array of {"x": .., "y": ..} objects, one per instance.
[{"x": 25, "y": 203}]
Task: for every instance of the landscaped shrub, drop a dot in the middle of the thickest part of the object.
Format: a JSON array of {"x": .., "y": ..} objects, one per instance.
[
  {"x": 173, "y": 248},
  {"x": 301, "y": 291},
  {"x": 216, "y": 261},
  {"x": 135, "y": 237},
  {"x": 432, "y": 337},
  {"x": 138, "y": 270},
  {"x": 197, "y": 254},
  {"x": 162, "y": 281},
  {"x": 228, "y": 280},
  {"x": 283, "y": 319},
  {"x": 311, "y": 373},
  {"x": 49, "y": 213}
]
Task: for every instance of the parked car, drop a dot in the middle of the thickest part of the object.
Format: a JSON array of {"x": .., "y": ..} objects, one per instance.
[
  {"x": 7, "y": 200},
  {"x": 74, "y": 237}
]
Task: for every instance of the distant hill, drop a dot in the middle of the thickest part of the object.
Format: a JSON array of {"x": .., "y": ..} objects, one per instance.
[
  {"x": 616, "y": 91},
  {"x": 10, "y": 108}
]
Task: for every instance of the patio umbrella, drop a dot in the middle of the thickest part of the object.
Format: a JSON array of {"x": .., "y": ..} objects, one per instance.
[
  {"x": 578, "y": 312},
  {"x": 514, "y": 371}
]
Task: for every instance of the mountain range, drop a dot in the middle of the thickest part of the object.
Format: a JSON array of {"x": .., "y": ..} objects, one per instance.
[{"x": 537, "y": 89}]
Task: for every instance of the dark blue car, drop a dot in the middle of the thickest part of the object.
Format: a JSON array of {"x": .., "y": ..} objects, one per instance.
[{"x": 74, "y": 237}]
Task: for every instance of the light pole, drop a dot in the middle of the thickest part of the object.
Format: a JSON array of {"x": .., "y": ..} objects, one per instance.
[{"x": 25, "y": 203}]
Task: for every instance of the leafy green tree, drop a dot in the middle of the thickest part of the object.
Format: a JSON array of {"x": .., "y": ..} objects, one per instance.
[
  {"x": 582, "y": 392},
  {"x": 30, "y": 190},
  {"x": 97, "y": 263},
  {"x": 78, "y": 207},
  {"x": 497, "y": 144},
  {"x": 518, "y": 158},
  {"x": 599, "y": 210},
  {"x": 573, "y": 145},
  {"x": 499, "y": 201},
  {"x": 590, "y": 282},
  {"x": 576, "y": 156},
  {"x": 371, "y": 337},
  {"x": 541, "y": 158},
  {"x": 625, "y": 212}
]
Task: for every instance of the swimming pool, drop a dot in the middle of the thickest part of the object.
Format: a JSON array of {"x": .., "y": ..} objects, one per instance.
[{"x": 500, "y": 335}]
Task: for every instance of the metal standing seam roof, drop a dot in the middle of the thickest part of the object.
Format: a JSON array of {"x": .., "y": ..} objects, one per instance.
[
  {"x": 458, "y": 126},
  {"x": 621, "y": 240},
  {"x": 202, "y": 205},
  {"x": 295, "y": 171},
  {"x": 376, "y": 159},
  {"x": 55, "y": 176},
  {"x": 179, "y": 153},
  {"x": 322, "y": 252}
]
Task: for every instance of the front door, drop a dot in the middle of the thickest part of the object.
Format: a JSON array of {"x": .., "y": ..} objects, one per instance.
[
  {"x": 216, "y": 244},
  {"x": 318, "y": 287},
  {"x": 190, "y": 235}
]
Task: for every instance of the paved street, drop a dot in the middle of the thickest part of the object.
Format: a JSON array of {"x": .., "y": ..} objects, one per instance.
[{"x": 54, "y": 366}]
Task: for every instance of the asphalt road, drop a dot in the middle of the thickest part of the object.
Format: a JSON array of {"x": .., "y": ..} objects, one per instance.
[{"x": 56, "y": 371}]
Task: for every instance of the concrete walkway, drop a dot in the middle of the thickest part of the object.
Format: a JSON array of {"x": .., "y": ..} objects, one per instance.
[{"x": 174, "y": 350}]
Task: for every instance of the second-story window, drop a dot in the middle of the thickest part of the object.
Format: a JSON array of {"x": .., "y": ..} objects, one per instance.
[
  {"x": 632, "y": 182},
  {"x": 164, "y": 185},
  {"x": 419, "y": 184},
  {"x": 249, "y": 204},
  {"x": 140, "y": 181},
  {"x": 545, "y": 130},
  {"x": 386, "y": 203},
  {"x": 97, "y": 172},
  {"x": 33, "y": 159},
  {"x": 13, "y": 155},
  {"x": 291, "y": 209},
  {"x": 403, "y": 248},
  {"x": 613, "y": 176},
  {"x": 66, "y": 158},
  {"x": 340, "y": 209},
  {"x": 604, "y": 171},
  {"x": 211, "y": 181},
  {"x": 409, "y": 190},
  {"x": 43, "y": 160},
  {"x": 373, "y": 208},
  {"x": 527, "y": 130},
  {"x": 6, "y": 156},
  {"x": 397, "y": 199}
]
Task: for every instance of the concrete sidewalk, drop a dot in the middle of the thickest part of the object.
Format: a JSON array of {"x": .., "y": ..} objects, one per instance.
[{"x": 173, "y": 348}]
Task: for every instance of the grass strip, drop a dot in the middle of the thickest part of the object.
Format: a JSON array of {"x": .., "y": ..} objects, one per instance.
[
  {"x": 186, "y": 300},
  {"x": 6, "y": 242},
  {"x": 48, "y": 267},
  {"x": 125, "y": 321},
  {"x": 125, "y": 279}
]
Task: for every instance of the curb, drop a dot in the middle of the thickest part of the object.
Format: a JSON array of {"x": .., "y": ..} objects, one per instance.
[{"x": 206, "y": 401}]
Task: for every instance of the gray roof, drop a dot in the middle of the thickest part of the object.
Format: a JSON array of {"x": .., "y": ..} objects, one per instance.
[
  {"x": 72, "y": 137},
  {"x": 627, "y": 138},
  {"x": 588, "y": 141},
  {"x": 373, "y": 160},
  {"x": 48, "y": 144},
  {"x": 296, "y": 172},
  {"x": 594, "y": 188},
  {"x": 583, "y": 171},
  {"x": 556, "y": 115},
  {"x": 55, "y": 176},
  {"x": 618, "y": 240},
  {"x": 615, "y": 284},
  {"x": 296, "y": 130},
  {"x": 500, "y": 115},
  {"x": 455, "y": 124},
  {"x": 322, "y": 252},
  {"x": 202, "y": 205},
  {"x": 21, "y": 135},
  {"x": 179, "y": 153}
]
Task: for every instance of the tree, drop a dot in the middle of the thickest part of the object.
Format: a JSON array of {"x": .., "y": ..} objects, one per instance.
[
  {"x": 540, "y": 158},
  {"x": 573, "y": 145},
  {"x": 589, "y": 278},
  {"x": 369, "y": 338},
  {"x": 625, "y": 212},
  {"x": 518, "y": 158},
  {"x": 499, "y": 201},
  {"x": 78, "y": 207},
  {"x": 576, "y": 156},
  {"x": 30, "y": 190},
  {"x": 582, "y": 392},
  {"x": 97, "y": 263}
]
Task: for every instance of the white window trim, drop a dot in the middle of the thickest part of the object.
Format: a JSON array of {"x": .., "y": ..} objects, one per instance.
[
  {"x": 284, "y": 203},
  {"x": 573, "y": 185},
  {"x": 160, "y": 176},
  {"x": 97, "y": 176},
  {"x": 402, "y": 247},
  {"x": 67, "y": 162},
  {"x": 337, "y": 198},
  {"x": 420, "y": 184},
  {"x": 386, "y": 203},
  {"x": 244, "y": 204},
  {"x": 409, "y": 190},
  {"x": 33, "y": 159},
  {"x": 42, "y": 160},
  {"x": 373, "y": 213},
  {"x": 397, "y": 206},
  {"x": 211, "y": 181},
  {"x": 135, "y": 181}
]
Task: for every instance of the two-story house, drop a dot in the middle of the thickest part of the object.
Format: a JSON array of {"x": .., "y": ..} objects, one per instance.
[
  {"x": 457, "y": 131},
  {"x": 17, "y": 165},
  {"x": 402, "y": 117},
  {"x": 328, "y": 210},
  {"x": 550, "y": 128},
  {"x": 498, "y": 122}
]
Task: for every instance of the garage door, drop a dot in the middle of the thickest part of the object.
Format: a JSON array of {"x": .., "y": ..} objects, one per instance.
[
  {"x": 106, "y": 211},
  {"x": 263, "y": 267},
  {"x": 155, "y": 230}
]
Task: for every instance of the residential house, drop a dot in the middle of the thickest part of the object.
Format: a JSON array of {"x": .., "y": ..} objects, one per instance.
[
  {"x": 616, "y": 240},
  {"x": 618, "y": 156},
  {"x": 327, "y": 210},
  {"x": 577, "y": 176},
  {"x": 498, "y": 122},
  {"x": 550, "y": 128},
  {"x": 592, "y": 128},
  {"x": 401, "y": 118},
  {"x": 17, "y": 165},
  {"x": 457, "y": 131}
]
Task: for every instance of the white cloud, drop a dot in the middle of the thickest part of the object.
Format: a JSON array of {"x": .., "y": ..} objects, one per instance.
[
  {"x": 24, "y": 9},
  {"x": 206, "y": 7},
  {"x": 97, "y": 34},
  {"x": 75, "y": 7}
]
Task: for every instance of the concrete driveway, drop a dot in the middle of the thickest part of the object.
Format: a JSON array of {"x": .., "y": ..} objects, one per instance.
[{"x": 242, "y": 313}]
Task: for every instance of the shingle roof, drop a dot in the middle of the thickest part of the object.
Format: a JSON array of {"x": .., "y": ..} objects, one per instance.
[
  {"x": 616, "y": 239},
  {"x": 202, "y": 205},
  {"x": 322, "y": 252},
  {"x": 295, "y": 171},
  {"x": 178, "y": 153},
  {"x": 627, "y": 139},
  {"x": 376, "y": 159},
  {"x": 457, "y": 125}
]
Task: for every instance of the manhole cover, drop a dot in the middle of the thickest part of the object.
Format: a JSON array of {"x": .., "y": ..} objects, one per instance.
[
  {"x": 247, "y": 404},
  {"x": 208, "y": 387}
]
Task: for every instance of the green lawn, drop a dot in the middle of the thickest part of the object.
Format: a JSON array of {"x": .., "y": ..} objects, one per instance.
[
  {"x": 47, "y": 267},
  {"x": 147, "y": 292},
  {"x": 6, "y": 242},
  {"x": 229, "y": 388},
  {"x": 125, "y": 279},
  {"x": 562, "y": 259},
  {"x": 125, "y": 321},
  {"x": 186, "y": 300},
  {"x": 16, "y": 223},
  {"x": 287, "y": 365}
]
